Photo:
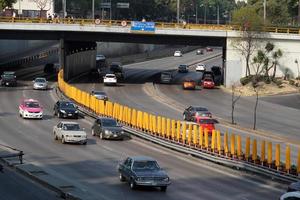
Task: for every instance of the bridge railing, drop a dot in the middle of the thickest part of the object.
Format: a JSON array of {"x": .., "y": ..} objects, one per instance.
[{"x": 162, "y": 25}]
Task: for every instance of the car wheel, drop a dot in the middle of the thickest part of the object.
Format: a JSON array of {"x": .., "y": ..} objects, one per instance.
[
  {"x": 93, "y": 132},
  {"x": 121, "y": 177},
  {"x": 63, "y": 140},
  {"x": 163, "y": 188},
  {"x": 84, "y": 143},
  {"x": 55, "y": 136},
  {"x": 132, "y": 184}
]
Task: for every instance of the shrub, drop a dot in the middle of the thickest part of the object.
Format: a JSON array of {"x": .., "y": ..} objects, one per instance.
[
  {"x": 246, "y": 80},
  {"x": 278, "y": 82},
  {"x": 291, "y": 82}
]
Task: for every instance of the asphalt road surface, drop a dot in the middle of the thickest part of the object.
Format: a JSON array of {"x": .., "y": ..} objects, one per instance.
[
  {"x": 92, "y": 168},
  {"x": 13, "y": 186}
]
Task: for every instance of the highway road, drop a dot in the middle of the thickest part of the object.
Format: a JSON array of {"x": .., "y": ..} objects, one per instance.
[
  {"x": 14, "y": 186},
  {"x": 92, "y": 168}
]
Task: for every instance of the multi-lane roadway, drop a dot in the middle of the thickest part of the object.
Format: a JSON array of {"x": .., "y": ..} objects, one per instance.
[{"x": 92, "y": 168}]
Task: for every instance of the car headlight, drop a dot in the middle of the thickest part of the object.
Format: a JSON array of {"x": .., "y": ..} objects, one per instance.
[
  {"x": 166, "y": 179},
  {"x": 138, "y": 178},
  {"x": 76, "y": 111},
  {"x": 68, "y": 135},
  {"x": 107, "y": 132},
  {"x": 62, "y": 111},
  {"x": 122, "y": 132}
]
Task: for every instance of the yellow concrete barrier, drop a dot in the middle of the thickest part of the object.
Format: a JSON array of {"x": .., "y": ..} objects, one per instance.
[
  {"x": 195, "y": 135},
  {"x": 219, "y": 143},
  {"x": 270, "y": 157},
  {"x": 287, "y": 158},
  {"x": 173, "y": 127},
  {"x": 239, "y": 146},
  {"x": 213, "y": 140},
  {"x": 178, "y": 129},
  {"x": 254, "y": 150},
  {"x": 201, "y": 136},
  {"x": 277, "y": 156},
  {"x": 120, "y": 113},
  {"x": 263, "y": 152},
  {"x": 168, "y": 131},
  {"x": 206, "y": 142},
  {"x": 190, "y": 132},
  {"x": 133, "y": 118},
  {"x": 183, "y": 132},
  {"x": 163, "y": 127},
  {"x": 247, "y": 149},
  {"x": 159, "y": 125},
  {"x": 154, "y": 122},
  {"x": 150, "y": 123},
  {"x": 298, "y": 162},
  {"x": 226, "y": 149},
  {"x": 129, "y": 116},
  {"x": 232, "y": 145}
]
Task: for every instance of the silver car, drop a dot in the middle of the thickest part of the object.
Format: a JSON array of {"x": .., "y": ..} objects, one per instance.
[
  {"x": 40, "y": 84},
  {"x": 69, "y": 132},
  {"x": 100, "y": 95}
]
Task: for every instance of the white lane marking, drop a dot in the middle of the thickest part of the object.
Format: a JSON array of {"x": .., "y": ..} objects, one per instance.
[
  {"x": 227, "y": 174},
  {"x": 150, "y": 147}
]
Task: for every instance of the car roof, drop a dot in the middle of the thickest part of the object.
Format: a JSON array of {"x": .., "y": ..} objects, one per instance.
[
  {"x": 110, "y": 75},
  {"x": 8, "y": 72},
  {"x": 142, "y": 158},
  {"x": 30, "y": 100},
  {"x": 199, "y": 107},
  {"x": 69, "y": 122},
  {"x": 106, "y": 118},
  {"x": 40, "y": 78}
]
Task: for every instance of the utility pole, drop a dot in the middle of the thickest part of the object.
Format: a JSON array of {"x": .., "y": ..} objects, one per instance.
[
  {"x": 178, "y": 6},
  {"x": 93, "y": 9},
  {"x": 265, "y": 10}
]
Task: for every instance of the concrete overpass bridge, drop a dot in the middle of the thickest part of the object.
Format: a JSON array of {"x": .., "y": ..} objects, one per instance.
[{"x": 78, "y": 40}]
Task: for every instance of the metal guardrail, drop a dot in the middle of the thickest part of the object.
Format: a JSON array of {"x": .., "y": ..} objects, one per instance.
[
  {"x": 16, "y": 153},
  {"x": 162, "y": 25}
]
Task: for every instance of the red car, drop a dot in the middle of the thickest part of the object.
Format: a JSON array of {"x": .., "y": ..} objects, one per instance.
[
  {"x": 208, "y": 49},
  {"x": 206, "y": 123},
  {"x": 208, "y": 83}
]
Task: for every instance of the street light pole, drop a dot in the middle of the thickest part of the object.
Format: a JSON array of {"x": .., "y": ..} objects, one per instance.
[
  {"x": 178, "y": 5},
  {"x": 196, "y": 13},
  {"x": 218, "y": 14},
  {"x": 93, "y": 9},
  {"x": 64, "y": 2},
  {"x": 265, "y": 10},
  {"x": 205, "y": 14}
]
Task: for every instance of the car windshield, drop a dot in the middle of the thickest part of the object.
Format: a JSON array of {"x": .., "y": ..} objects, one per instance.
[
  {"x": 32, "y": 104},
  {"x": 40, "y": 80},
  {"x": 8, "y": 76},
  {"x": 110, "y": 76},
  {"x": 145, "y": 165},
  {"x": 66, "y": 105},
  {"x": 109, "y": 122},
  {"x": 99, "y": 93},
  {"x": 200, "y": 109},
  {"x": 210, "y": 80},
  {"x": 182, "y": 66},
  {"x": 166, "y": 74},
  {"x": 207, "y": 121},
  {"x": 71, "y": 127}
]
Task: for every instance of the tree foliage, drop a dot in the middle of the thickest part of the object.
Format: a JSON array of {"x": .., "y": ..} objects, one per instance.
[{"x": 7, "y": 3}]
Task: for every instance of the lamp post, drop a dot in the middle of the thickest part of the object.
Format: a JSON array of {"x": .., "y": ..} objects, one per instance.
[
  {"x": 204, "y": 17},
  {"x": 265, "y": 10},
  {"x": 196, "y": 13},
  {"x": 218, "y": 14},
  {"x": 93, "y": 9},
  {"x": 178, "y": 7},
  {"x": 64, "y": 6}
]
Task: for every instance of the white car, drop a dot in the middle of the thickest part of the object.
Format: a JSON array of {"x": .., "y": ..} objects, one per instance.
[
  {"x": 200, "y": 67},
  {"x": 69, "y": 132},
  {"x": 110, "y": 79},
  {"x": 177, "y": 54},
  {"x": 290, "y": 196},
  {"x": 40, "y": 84}
]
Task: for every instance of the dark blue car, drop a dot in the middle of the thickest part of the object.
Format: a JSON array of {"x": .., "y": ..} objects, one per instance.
[{"x": 143, "y": 171}]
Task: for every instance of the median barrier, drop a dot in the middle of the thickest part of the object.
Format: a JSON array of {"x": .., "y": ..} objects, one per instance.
[{"x": 188, "y": 135}]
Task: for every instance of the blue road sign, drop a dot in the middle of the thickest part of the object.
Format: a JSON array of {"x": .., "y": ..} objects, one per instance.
[{"x": 142, "y": 26}]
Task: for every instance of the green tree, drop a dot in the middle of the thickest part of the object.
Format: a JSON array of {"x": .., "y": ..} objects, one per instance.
[
  {"x": 7, "y": 3},
  {"x": 250, "y": 24}
]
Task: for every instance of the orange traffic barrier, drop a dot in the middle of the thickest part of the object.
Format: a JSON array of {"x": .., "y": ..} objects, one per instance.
[
  {"x": 239, "y": 146},
  {"x": 173, "y": 124},
  {"x": 254, "y": 151},
  {"x": 247, "y": 150},
  {"x": 232, "y": 145},
  {"x": 168, "y": 128},
  {"x": 183, "y": 136},
  {"x": 288, "y": 158},
  {"x": 133, "y": 118},
  {"x": 213, "y": 140},
  {"x": 195, "y": 135},
  {"x": 270, "y": 157},
  {"x": 154, "y": 122},
  {"x": 190, "y": 132},
  {"x": 206, "y": 138},
  {"x": 201, "y": 137},
  {"x": 277, "y": 156},
  {"x": 159, "y": 125},
  {"x": 219, "y": 144},
  {"x": 298, "y": 162},
  {"x": 178, "y": 129},
  {"x": 226, "y": 149}
]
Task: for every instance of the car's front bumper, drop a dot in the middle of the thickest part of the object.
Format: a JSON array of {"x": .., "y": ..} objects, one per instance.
[
  {"x": 69, "y": 115},
  {"x": 33, "y": 115},
  {"x": 114, "y": 136},
  {"x": 38, "y": 87},
  {"x": 72, "y": 139},
  {"x": 153, "y": 183}
]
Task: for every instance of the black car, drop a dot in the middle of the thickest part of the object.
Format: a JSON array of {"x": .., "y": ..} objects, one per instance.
[
  {"x": 143, "y": 171},
  {"x": 294, "y": 187},
  {"x": 65, "y": 109},
  {"x": 166, "y": 77},
  {"x": 183, "y": 69},
  {"x": 117, "y": 69},
  {"x": 107, "y": 128},
  {"x": 192, "y": 112},
  {"x": 8, "y": 79}
]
